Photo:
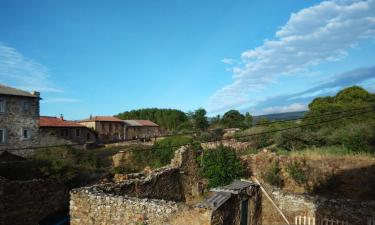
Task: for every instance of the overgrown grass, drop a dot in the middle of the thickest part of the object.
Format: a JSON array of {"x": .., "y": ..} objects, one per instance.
[
  {"x": 66, "y": 164},
  {"x": 220, "y": 166},
  {"x": 155, "y": 156},
  {"x": 272, "y": 175},
  {"x": 324, "y": 151}
]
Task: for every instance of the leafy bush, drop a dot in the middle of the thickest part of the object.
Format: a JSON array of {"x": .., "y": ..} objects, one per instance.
[
  {"x": 123, "y": 170},
  {"x": 358, "y": 137},
  {"x": 257, "y": 141},
  {"x": 298, "y": 171},
  {"x": 272, "y": 175},
  {"x": 220, "y": 166},
  {"x": 216, "y": 134},
  {"x": 159, "y": 155},
  {"x": 65, "y": 164}
]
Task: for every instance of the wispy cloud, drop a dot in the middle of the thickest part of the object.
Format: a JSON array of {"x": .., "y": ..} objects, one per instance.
[
  {"x": 228, "y": 61},
  {"x": 317, "y": 34},
  {"x": 22, "y": 72},
  {"x": 364, "y": 76}
]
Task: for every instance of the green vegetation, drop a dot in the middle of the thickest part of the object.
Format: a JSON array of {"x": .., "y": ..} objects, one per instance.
[
  {"x": 220, "y": 166},
  {"x": 355, "y": 134},
  {"x": 233, "y": 118},
  {"x": 169, "y": 119},
  {"x": 161, "y": 153},
  {"x": 298, "y": 171},
  {"x": 200, "y": 120},
  {"x": 272, "y": 175},
  {"x": 65, "y": 164}
]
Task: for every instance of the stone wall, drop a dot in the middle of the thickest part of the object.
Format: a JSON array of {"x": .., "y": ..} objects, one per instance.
[
  {"x": 141, "y": 132},
  {"x": 52, "y": 136},
  {"x": 292, "y": 205},
  {"x": 351, "y": 177},
  {"x": 14, "y": 119},
  {"x": 95, "y": 207},
  {"x": 28, "y": 202},
  {"x": 344, "y": 188},
  {"x": 232, "y": 143},
  {"x": 151, "y": 198}
]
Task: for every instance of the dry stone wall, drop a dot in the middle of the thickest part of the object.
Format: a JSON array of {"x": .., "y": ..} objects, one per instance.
[
  {"x": 347, "y": 195},
  {"x": 28, "y": 202},
  {"x": 292, "y": 205},
  {"x": 150, "y": 198}
]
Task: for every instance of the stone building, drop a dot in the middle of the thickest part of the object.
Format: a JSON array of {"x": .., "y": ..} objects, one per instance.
[
  {"x": 55, "y": 130},
  {"x": 19, "y": 119},
  {"x": 140, "y": 129},
  {"x": 108, "y": 128}
]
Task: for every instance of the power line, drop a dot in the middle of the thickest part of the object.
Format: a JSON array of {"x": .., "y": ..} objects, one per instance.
[
  {"x": 189, "y": 133},
  {"x": 238, "y": 137}
]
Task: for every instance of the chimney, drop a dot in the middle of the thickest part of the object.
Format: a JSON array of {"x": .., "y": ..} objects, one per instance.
[
  {"x": 36, "y": 93},
  {"x": 61, "y": 117},
  {"x": 90, "y": 117}
]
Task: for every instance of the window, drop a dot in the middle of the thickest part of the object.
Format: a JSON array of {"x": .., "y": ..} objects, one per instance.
[
  {"x": 2, "y": 135},
  {"x": 78, "y": 132},
  {"x": 2, "y": 105},
  {"x": 26, "y": 133},
  {"x": 88, "y": 136},
  {"x": 64, "y": 132},
  {"x": 26, "y": 106}
]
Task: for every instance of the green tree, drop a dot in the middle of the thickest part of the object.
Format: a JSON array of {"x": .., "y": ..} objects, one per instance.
[
  {"x": 248, "y": 119},
  {"x": 200, "y": 120},
  {"x": 169, "y": 119},
  {"x": 220, "y": 166},
  {"x": 263, "y": 121},
  {"x": 233, "y": 119}
]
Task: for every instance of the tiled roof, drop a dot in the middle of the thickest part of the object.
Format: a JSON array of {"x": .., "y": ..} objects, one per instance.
[
  {"x": 48, "y": 121},
  {"x": 140, "y": 123},
  {"x": 5, "y": 90},
  {"x": 102, "y": 119}
]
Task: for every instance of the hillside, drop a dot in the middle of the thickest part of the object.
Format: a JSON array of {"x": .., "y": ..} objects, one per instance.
[{"x": 281, "y": 116}]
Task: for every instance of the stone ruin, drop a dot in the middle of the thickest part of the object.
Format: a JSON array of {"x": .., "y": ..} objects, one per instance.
[{"x": 163, "y": 196}]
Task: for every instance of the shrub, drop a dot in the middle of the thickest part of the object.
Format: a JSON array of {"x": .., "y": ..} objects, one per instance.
[
  {"x": 257, "y": 141},
  {"x": 357, "y": 137},
  {"x": 123, "y": 170},
  {"x": 220, "y": 166},
  {"x": 298, "y": 171},
  {"x": 272, "y": 175},
  {"x": 159, "y": 155},
  {"x": 165, "y": 148},
  {"x": 65, "y": 164}
]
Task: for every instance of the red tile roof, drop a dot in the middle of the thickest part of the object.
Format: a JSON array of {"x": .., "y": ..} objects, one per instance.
[
  {"x": 49, "y": 121},
  {"x": 103, "y": 119}
]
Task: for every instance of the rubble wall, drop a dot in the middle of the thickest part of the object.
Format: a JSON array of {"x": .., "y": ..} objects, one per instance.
[
  {"x": 28, "y": 202},
  {"x": 144, "y": 199}
]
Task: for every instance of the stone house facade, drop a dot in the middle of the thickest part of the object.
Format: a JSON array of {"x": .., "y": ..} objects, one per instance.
[
  {"x": 108, "y": 128},
  {"x": 19, "y": 119},
  {"x": 140, "y": 129},
  {"x": 55, "y": 130}
]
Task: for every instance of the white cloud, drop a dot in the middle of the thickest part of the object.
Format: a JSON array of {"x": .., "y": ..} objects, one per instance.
[
  {"x": 228, "y": 61},
  {"x": 320, "y": 33},
  {"x": 22, "y": 72},
  {"x": 282, "y": 109}
]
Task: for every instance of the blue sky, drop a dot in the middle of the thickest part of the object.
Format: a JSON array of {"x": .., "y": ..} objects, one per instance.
[{"x": 105, "y": 57}]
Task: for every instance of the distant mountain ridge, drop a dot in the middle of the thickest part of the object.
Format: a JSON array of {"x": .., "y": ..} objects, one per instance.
[{"x": 281, "y": 116}]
